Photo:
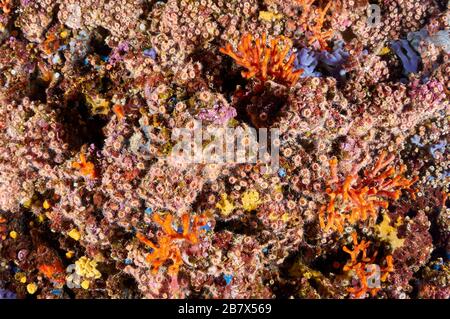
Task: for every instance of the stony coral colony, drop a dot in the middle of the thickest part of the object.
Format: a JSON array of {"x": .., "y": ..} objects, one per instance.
[{"x": 357, "y": 209}]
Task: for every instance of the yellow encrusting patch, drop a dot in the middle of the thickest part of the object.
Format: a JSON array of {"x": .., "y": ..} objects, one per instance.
[
  {"x": 388, "y": 233},
  {"x": 225, "y": 206},
  {"x": 250, "y": 200}
]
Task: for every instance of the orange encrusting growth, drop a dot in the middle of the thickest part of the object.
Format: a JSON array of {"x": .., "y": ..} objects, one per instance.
[
  {"x": 168, "y": 242},
  {"x": 317, "y": 34},
  {"x": 53, "y": 271},
  {"x": 86, "y": 168},
  {"x": 118, "y": 110},
  {"x": 51, "y": 44},
  {"x": 358, "y": 263},
  {"x": 357, "y": 199},
  {"x": 2, "y": 228},
  {"x": 265, "y": 62}
]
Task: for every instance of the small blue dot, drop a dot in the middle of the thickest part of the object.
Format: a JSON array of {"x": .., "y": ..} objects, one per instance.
[
  {"x": 206, "y": 227},
  {"x": 148, "y": 211},
  {"x": 56, "y": 292},
  {"x": 282, "y": 172},
  {"x": 128, "y": 261},
  {"x": 227, "y": 278}
]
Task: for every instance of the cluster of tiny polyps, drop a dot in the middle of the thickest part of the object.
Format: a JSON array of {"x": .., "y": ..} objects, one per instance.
[{"x": 224, "y": 149}]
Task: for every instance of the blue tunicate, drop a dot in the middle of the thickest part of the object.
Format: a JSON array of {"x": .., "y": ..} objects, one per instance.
[
  {"x": 410, "y": 59},
  {"x": 335, "y": 60},
  {"x": 282, "y": 172},
  {"x": 151, "y": 53},
  {"x": 6, "y": 294},
  {"x": 416, "y": 140},
  {"x": 438, "y": 147},
  {"x": 440, "y": 39},
  {"x": 445, "y": 174},
  {"x": 307, "y": 60},
  {"x": 148, "y": 210}
]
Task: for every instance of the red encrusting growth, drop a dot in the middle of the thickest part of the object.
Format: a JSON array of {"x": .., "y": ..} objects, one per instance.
[
  {"x": 357, "y": 199},
  {"x": 265, "y": 62},
  {"x": 358, "y": 264},
  {"x": 168, "y": 247}
]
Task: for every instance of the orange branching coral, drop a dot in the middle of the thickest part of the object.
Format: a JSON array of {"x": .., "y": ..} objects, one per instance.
[
  {"x": 357, "y": 199},
  {"x": 306, "y": 9},
  {"x": 317, "y": 33},
  {"x": 359, "y": 264},
  {"x": 265, "y": 62},
  {"x": 86, "y": 168},
  {"x": 168, "y": 242}
]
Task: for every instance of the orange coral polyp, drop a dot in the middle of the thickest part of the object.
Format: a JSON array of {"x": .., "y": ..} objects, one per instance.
[{"x": 265, "y": 62}]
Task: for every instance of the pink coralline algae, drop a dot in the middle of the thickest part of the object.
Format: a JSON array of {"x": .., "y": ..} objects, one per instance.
[{"x": 224, "y": 149}]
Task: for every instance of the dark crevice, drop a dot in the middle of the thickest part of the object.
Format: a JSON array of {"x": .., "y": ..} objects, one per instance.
[
  {"x": 248, "y": 226},
  {"x": 97, "y": 42},
  {"x": 88, "y": 127}
]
